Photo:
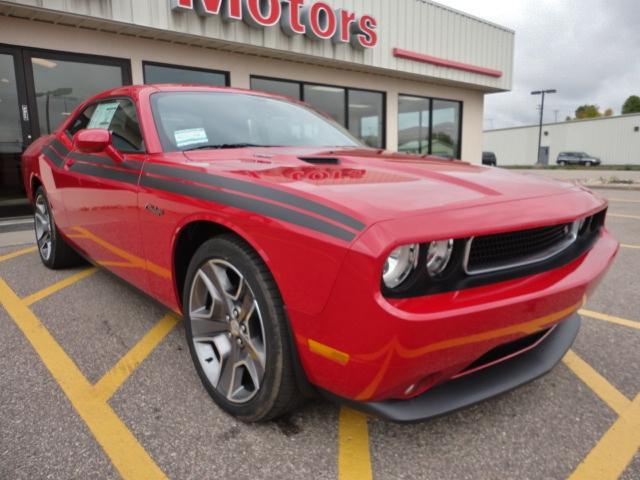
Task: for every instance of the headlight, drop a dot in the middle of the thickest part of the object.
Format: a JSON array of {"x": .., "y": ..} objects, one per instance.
[
  {"x": 438, "y": 256},
  {"x": 402, "y": 261}
]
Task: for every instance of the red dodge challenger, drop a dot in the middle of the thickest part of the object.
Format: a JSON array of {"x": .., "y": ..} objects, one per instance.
[{"x": 304, "y": 262}]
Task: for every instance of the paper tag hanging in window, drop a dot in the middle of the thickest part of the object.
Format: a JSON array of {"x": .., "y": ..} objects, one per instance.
[{"x": 103, "y": 115}]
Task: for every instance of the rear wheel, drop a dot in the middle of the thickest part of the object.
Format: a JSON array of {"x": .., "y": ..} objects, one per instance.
[
  {"x": 54, "y": 251},
  {"x": 237, "y": 331},
  {"x": 562, "y": 163}
]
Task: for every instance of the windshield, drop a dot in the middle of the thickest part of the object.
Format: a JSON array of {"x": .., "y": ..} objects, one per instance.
[{"x": 200, "y": 120}]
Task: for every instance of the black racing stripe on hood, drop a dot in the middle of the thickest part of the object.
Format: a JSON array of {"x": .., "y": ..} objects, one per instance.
[
  {"x": 256, "y": 190},
  {"x": 249, "y": 204}
]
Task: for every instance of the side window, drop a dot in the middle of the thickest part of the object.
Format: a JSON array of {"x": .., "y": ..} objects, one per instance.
[
  {"x": 125, "y": 128},
  {"x": 119, "y": 117},
  {"x": 82, "y": 120}
]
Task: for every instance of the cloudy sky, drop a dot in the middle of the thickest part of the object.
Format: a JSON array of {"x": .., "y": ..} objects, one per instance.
[{"x": 589, "y": 50}]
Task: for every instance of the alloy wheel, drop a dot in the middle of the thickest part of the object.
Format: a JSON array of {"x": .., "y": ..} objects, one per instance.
[
  {"x": 227, "y": 331},
  {"x": 43, "y": 226}
]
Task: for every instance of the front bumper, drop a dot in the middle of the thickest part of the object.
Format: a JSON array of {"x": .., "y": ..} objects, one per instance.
[
  {"x": 478, "y": 386},
  {"x": 374, "y": 349}
]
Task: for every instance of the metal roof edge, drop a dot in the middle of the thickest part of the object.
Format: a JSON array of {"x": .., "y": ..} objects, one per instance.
[{"x": 581, "y": 120}]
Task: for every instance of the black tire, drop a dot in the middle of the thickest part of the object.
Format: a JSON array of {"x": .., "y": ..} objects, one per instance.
[
  {"x": 562, "y": 163},
  {"x": 58, "y": 254},
  {"x": 277, "y": 393}
]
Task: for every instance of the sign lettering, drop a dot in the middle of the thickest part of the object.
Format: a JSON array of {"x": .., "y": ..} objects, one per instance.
[{"x": 317, "y": 20}]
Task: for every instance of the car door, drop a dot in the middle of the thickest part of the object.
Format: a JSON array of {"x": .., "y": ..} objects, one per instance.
[{"x": 102, "y": 203}]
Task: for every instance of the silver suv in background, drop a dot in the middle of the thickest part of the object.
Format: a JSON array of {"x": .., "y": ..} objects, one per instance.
[{"x": 577, "y": 158}]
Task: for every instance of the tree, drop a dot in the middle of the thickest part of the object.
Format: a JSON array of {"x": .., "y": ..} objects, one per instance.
[
  {"x": 632, "y": 105},
  {"x": 588, "y": 111},
  {"x": 608, "y": 112}
]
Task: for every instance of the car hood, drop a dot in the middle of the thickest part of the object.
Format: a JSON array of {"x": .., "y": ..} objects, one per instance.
[{"x": 374, "y": 185}]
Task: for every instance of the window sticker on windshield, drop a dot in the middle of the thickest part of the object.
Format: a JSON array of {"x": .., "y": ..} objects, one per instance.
[
  {"x": 103, "y": 115},
  {"x": 192, "y": 136}
]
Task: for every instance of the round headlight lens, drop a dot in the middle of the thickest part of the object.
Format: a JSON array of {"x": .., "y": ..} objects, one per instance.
[
  {"x": 438, "y": 256},
  {"x": 400, "y": 264}
]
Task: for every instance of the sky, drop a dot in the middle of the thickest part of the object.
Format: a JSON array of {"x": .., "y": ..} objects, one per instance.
[{"x": 589, "y": 50}]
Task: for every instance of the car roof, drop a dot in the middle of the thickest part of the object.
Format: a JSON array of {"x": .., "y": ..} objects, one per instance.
[{"x": 136, "y": 90}]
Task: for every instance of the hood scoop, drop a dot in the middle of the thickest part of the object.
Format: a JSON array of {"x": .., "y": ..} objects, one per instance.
[{"x": 320, "y": 160}]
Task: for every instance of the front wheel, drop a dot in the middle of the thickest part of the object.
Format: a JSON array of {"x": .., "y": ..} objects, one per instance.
[{"x": 237, "y": 331}]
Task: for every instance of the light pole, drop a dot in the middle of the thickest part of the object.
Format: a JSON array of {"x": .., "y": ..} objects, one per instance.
[{"x": 543, "y": 93}]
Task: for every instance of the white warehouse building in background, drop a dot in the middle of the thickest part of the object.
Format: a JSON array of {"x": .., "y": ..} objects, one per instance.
[{"x": 615, "y": 140}]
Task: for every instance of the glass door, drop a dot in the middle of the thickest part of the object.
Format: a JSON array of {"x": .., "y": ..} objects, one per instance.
[
  {"x": 38, "y": 90},
  {"x": 59, "y": 82},
  {"x": 15, "y": 132}
]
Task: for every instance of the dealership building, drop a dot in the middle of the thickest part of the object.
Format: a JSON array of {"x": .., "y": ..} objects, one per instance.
[
  {"x": 614, "y": 140},
  {"x": 407, "y": 75}
]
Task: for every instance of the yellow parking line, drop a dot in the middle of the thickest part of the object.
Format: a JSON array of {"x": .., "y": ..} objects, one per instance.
[
  {"x": 354, "y": 459},
  {"x": 596, "y": 382},
  {"x": 114, "y": 378},
  {"x": 128, "y": 457},
  {"x": 619, "y": 215},
  {"x": 18, "y": 253},
  {"x": 609, "y": 318},
  {"x": 637, "y": 247},
  {"x": 614, "y": 452},
  {"x": 67, "y": 282}
]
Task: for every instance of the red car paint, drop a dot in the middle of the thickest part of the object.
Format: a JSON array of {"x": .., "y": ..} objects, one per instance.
[{"x": 351, "y": 340}]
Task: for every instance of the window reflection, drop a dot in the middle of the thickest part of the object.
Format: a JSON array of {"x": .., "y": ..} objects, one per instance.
[
  {"x": 445, "y": 138},
  {"x": 413, "y": 125},
  {"x": 156, "y": 73},
  {"x": 10, "y": 126},
  {"x": 366, "y": 117},
  {"x": 62, "y": 85},
  {"x": 429, "y": 127}
]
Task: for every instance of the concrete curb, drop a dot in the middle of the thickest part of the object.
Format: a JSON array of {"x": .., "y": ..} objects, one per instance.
[{"x": 632, "y": 188}]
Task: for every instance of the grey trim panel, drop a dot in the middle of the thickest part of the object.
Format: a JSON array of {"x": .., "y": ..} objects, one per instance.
[
  {"x": 482, "y": 385},
  {"x": 248, "y": 204},
  {"x": 257, "y": 190}
]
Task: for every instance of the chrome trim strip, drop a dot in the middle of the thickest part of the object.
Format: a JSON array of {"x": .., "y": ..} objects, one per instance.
[{"x": 526, "y": 260}]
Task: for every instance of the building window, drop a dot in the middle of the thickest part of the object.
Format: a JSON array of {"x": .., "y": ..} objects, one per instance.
[
  {"x": 367, "y": 117},
  {"x": 414, "y": 119},
  {"x": 162, "y": 73},
  {"x": 330, "y": 100},
  {"x": 445, "y": 132},
  {"x": 362, "y": 112},
  {"x": 278, "y": 87},
  {"x": 429, "y": 126}
]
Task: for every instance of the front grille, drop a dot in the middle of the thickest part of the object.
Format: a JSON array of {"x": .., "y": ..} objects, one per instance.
[{"x": 509, "y": 250}]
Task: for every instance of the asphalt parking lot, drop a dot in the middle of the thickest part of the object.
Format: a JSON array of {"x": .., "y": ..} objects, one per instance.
[{"x": 96, "y": 382}]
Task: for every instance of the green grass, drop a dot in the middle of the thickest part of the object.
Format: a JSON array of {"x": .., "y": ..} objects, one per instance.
[{"x": 620, "y": 168}]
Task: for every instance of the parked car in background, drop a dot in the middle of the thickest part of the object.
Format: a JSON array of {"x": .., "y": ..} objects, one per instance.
[
  {"x": 304, "y": 262},
  {"x": 578, "y": 158},
  {"x": 489, "y": 158}
]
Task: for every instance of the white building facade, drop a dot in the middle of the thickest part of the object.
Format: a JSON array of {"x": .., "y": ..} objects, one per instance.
[{"x": 615, "y": 140}]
